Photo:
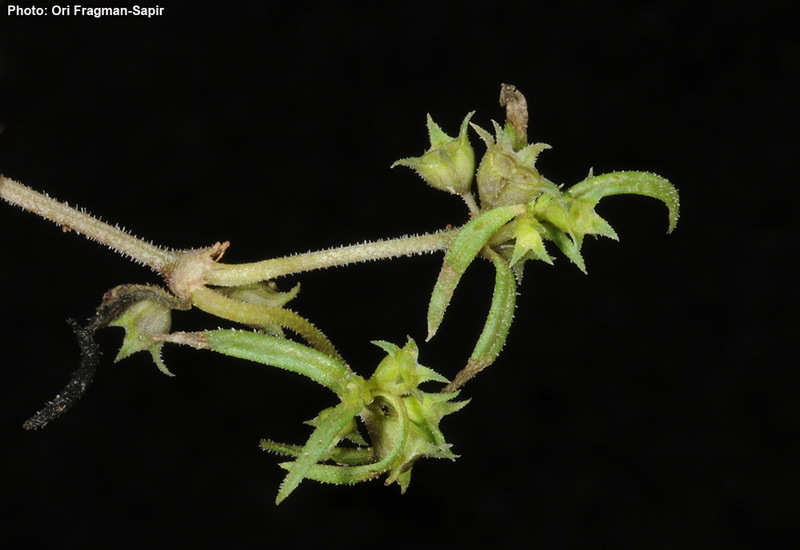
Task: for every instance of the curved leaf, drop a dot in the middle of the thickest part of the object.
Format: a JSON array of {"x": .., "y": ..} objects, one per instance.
[
  {"x": 495, "y": 331},
  {"x": 463, "y": 250},
  {"x": 276, "y": 352},
  {"x": 261, "y": 315},
  {"x": 630, "y": 183}
]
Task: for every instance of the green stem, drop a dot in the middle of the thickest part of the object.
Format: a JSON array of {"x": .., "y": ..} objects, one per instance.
[
  {"x": 242, "y": 274},
  {"x": 70, "y": 218},
  {"x": 164, "y": 261}
]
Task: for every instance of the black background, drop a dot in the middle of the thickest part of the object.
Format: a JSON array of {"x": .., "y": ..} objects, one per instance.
[{"x": 651, "y": 404}]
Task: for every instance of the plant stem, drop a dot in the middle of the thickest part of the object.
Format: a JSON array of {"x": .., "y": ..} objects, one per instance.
[
  {"x": 163, "y": 261},
  {"x": 70, "y": 218},
  {"x": 241, "y": 274}
]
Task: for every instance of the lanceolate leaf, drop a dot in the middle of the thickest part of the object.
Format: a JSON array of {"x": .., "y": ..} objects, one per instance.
[
  {"x": 262, "y": 315},
  {"x": 322, "y": 439},
  {"x": 630, "y": 183},
  {"x": 350, "y": 456},
  {"x": 284, "y": 354},
  {"x": 501, "y": 314},
  {"x": 394, "y": 433},
  {"x": 464, "y": 248},
  {"x": 495, "y": 331}
]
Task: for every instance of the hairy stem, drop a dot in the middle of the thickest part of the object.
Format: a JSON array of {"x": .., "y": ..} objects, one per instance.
[
  {"x": 72, "y": 219},
  {"x": 164, "y": 261},
  {"x": 241, "y": 274}
]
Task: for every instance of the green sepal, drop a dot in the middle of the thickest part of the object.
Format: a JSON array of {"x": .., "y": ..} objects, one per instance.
[
  {"x": 144, "y": 320},
  {"x": 506, "y": 176},
  {"x": 449, "y": 164},
  {"x": 574, "y": 216},
  {"x": 399, "y": 372},
  {"x": 527, "y": 232},
  {"x": 463, "y": 250},
  {"x": 569, "y": 246}
]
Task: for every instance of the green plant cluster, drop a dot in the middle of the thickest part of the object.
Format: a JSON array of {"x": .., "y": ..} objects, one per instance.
[{"x": 384, "y": 423}]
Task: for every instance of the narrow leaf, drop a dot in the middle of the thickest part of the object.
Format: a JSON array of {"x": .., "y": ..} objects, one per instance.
[
  {"x": 322, "y": 439},
  {"x": 351, "y": 456},
  {"x": 495, "y": 331},
  {"x": 261, "y": 315},
  {"x": 285, "y": 354},
  {"x": 463, "y": 250},
  {"x": 501, "y": 313},
  {"x": 630, "y": 183}
]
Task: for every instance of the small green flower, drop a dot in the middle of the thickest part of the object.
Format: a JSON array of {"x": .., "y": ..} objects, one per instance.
[
  {"x": 399, "y": 373},
  {"x": 144, "y": 320},
  {"x": 449, "y": 164},
  {"x": 528, "y": 233}
]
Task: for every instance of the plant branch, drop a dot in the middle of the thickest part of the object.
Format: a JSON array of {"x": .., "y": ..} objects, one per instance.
[
  {"x": 159, "y": 259},
  {"x": 241, "y": 274}
]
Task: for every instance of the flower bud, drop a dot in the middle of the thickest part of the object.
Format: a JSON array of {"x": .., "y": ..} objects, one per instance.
[
  {"x": 449, "y": 164},
  {"x": 143, "y": 320},
  {"x": 528, "y": 240},
  {"x": 506, "y": 176},
  {"x": 399, "y": 372}
]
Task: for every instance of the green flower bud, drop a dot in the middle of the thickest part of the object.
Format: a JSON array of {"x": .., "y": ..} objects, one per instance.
[
  {"x": 528, "y": 240},
  {"x": 449, "y": 164},
  {"x": 142, "y": 321},
  {"x": 399, "y": 373},
  {"x": 574, "y": 216},
  {"x": 506, "y": 176}
]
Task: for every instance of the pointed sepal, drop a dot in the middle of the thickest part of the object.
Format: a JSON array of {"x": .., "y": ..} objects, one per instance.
[
  {"x": 146, "y": 318},
  {"x": 506, "y": 176},
  {"x": 449, "y": 164}
]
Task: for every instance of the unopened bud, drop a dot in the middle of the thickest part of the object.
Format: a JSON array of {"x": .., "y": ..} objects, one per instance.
[
  {"x": 142, "y": 321},
  {"x": 449, "y": 164},
  {"x": 506, "y": 176}
]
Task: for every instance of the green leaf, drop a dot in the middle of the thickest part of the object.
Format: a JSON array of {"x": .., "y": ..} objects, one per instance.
[
  {"x": 390, "y": 430},
  {"x": 501, "y": 314},
  {"x": 498, "y": 322},
  {"x": 351, "y": 456},
  {"x": 264, "y": 294},
  {"x": 277, "y": 352},
  {"x": 630, "y": 183},
  {"x": 463, "y": 250},
  {"x": 322, "y": 439},
  {"x": 260, "y": 315}
]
